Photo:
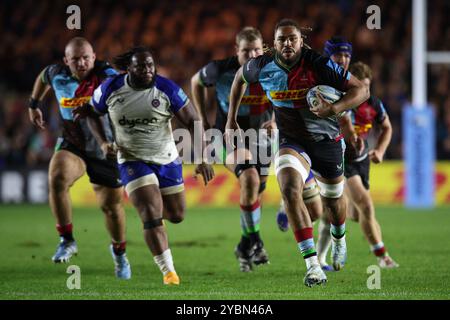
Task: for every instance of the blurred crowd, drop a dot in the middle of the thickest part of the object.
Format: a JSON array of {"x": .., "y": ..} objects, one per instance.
[{"x": 186, "y": 34}]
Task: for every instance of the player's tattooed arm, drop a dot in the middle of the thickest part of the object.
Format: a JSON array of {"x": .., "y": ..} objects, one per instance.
[{"x": 40, "y": 90}]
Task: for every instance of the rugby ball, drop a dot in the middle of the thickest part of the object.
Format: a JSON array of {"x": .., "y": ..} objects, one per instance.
[{"x": 330, "y": 95}]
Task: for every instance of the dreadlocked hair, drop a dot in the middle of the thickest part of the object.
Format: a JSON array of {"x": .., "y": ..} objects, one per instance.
[
  {"x": 304, "y": 36},
  {"x": 122, "y": 61}
]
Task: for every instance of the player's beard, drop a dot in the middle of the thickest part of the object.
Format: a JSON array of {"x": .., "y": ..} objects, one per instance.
[
  {"x": 140, "y": 84},
  {"x": 292, "y": 60}
]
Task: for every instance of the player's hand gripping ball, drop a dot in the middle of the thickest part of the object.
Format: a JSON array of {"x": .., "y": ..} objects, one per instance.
[{"x": 329, "y": 94}]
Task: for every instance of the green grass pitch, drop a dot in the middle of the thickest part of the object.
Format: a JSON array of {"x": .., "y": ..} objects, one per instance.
[{"x": 202, "y": 247}]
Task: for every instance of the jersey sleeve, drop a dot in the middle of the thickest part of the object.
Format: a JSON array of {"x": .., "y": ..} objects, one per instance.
[
  {"x": 107, "y": 69},
  {"x": 100, "y": 96},
  {"x": 49, "y": 73},
  {"x": 331, "y": 73},
  {"x": 380, "y": 110},
  {"x": 209, "y": 74},
  {"x": 178, "y": 99},
  {"x": 252, "y": 69}
]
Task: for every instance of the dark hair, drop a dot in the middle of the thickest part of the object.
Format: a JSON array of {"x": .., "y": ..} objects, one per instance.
[
  {"x": 249, "y": 34},
  {"x": 293, "y": 23},
  {"x": 287, "y": 23},
  {"x": 122, "y": 61}
]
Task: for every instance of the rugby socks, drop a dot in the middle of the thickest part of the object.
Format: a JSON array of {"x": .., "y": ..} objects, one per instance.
[
  {"x": 119, "y": 248},
  {"x": 65, "y": 231},
  {"x": 250, "y": 219},
  {"x": 165, "y": 262},
  {"x": 378, "y": 249},
  {"x": 305, "y": 242},
  {"x": 338, "y": 231}
]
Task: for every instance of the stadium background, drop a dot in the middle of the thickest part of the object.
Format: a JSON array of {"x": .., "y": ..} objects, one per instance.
[{"x": 187, "y": 34}]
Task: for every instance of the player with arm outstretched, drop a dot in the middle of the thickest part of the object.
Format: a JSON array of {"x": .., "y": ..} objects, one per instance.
[
  {"x": 77, "y": 152},
  {"x": 141, "y": 104},
  {"x": 308, "y": 138}
]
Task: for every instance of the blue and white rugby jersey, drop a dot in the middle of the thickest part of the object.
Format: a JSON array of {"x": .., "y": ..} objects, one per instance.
[{"x": 141, "y": 118}]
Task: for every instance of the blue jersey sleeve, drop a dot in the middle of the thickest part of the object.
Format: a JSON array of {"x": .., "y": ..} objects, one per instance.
[
  {"x": 253, "y": 67},
  {"x": 380, "y": 110},
  {"x": 110, "y": 72},
  {"x": 331, "y": 73},
  {"x": 209, "y": 74},
  {"x": 49, "y": 73},
  {"x": 178, "y": 99},
  {"x": 98, "y": 100},
  {"x": 101, "y": 94}
]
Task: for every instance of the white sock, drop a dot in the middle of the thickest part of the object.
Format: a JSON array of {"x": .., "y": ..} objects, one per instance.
[
  {"x": 323, "y": 242},
  {"x": 282, "y": 208},
  {"x": 165, "y": 262},
  {"x": 311, "y": 261}
]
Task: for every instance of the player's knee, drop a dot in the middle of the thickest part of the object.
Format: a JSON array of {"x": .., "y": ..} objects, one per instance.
[
  {"x": 367, "y": 211},
  {"x": 290, "y": 161},
  {"x": 353, "y": 215},
  {"x": 112, "y": 210},
  {"x": 177, "y": 216},
  {"x": 58, "y": 181},
  {"x": 249, "y": 181},
  {"x": 148, "y": 210},
  {"x": 291, "y": 193},
  {"x": 175, "y": 212},
  {"x": 314, "y": 208},
  {"x": 176, "y": 219},
  {"x": 331, "y": 191}
]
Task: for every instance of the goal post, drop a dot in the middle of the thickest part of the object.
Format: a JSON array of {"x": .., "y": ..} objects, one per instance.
[{"x": 419, "y": 137}]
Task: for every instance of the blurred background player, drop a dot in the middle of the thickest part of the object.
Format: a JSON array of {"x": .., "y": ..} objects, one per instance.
[
  {"x": 357, "y": 165},
  {"x": 77, "y": 152},
  {"x": 357, "y": 162},
  {"x": 307, "y": 136},
  {"x": 255, "y": 113},
  {"x": 141, "y": 104}
]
